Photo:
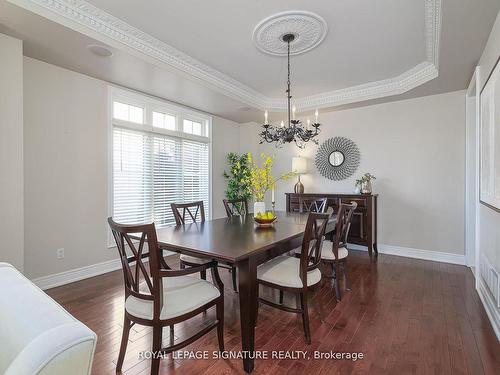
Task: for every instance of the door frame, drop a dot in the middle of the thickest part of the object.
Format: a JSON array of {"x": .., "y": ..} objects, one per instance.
[{"x": 472, "y": 165}]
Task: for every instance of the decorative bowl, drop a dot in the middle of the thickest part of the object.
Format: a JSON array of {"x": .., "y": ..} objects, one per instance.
[{"x": 261, "y": 222}]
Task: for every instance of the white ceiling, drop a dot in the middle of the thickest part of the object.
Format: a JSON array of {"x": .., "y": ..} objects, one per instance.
[{"x": 366, "y": 42}]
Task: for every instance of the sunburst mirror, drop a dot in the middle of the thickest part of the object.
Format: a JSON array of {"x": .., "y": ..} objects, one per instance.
[{"x": 337, "y": 158}]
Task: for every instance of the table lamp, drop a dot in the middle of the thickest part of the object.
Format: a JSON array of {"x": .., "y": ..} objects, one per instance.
[{"x": 299, "y": 166}]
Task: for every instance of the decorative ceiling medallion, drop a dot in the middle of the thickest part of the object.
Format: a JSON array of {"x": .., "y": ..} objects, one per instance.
[
  {"x": 308, "y": 28},
  {"x": 337, "y": 158}
]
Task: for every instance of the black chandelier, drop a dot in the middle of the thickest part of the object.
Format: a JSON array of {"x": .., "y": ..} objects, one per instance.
[{"x": 293, "y": 131}]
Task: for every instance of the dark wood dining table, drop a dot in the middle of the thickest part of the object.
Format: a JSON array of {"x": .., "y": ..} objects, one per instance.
[{"x": 238, "y": 241}]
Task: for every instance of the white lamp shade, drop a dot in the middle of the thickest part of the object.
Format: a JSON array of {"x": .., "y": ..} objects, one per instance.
[{"x": 299, "y": 165}]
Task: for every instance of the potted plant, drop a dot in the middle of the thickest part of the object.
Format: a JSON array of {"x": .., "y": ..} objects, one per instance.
[
  {"x": 237, "y": 177},
  {"x": 365, "y": 183},
  {"x": 261, "y": 180}
]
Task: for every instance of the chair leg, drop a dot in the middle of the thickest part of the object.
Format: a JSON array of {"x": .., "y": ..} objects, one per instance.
[
  {"x": 123, "y": 345},
  {"x": 305, "y": 317},
  {"x": 256, "y": 311},
  {"x": 155, "y": 361},
  {"x": 203, "y": 275},
  {"x": 281, "y": 297},
  {"x": 346, "y": 279},
  {"x": 336, "y": 281},
  {"x": 172, "y": 334},
  {"x": 220, "y": 325},
  {"x": 233, "y": 272}
]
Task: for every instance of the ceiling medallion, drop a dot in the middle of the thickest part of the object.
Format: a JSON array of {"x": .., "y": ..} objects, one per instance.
[
  {"x": 308, "y": 28},
  {"x": 293, "y": 131}
]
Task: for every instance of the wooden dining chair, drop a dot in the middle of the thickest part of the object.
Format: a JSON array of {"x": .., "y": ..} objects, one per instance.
[
  {"x": 334, "y": 252},
  {"x": 313, "y": 204},
  {"x": 235, "y": 207},
  {"x": 163, "y": 296},
  {"x": 190, "y": 212},
  {"x": 297, "y": 275}
]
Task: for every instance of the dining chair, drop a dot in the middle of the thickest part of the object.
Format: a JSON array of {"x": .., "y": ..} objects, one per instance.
[
  {"x": 313, "y": 204},
  {"x": 334, "y": 251},
  {"x": 163, "y": 296},
  {"x": 195, "y": 212},
  {"x": 235, "y": 207},
  {"x": 297, "y": 275}
]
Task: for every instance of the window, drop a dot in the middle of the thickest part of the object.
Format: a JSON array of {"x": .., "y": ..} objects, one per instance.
[
  {"x": 127, "y": 112},
  {"x": 154, "y": 163},
  {"x": 163, "y": 121},
  {"x": 194, "y": 127}
]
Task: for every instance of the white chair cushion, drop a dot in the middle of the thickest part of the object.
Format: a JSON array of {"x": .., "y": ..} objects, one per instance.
[
  {"x": 190, "y": 259},
  {"x": 181, "y": 295},
  {"x": 327, "y": 252},
  {"x": 284, "y": 271}
]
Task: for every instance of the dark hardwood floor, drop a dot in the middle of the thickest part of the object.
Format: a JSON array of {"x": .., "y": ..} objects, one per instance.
[{"x": 406, "y": 316}]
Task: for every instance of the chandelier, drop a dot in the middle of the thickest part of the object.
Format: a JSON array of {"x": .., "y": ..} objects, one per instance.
[{"x": 293, "y": 130}]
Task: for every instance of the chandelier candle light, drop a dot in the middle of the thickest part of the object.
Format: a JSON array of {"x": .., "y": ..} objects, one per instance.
[{"x": 293, "y": 131}]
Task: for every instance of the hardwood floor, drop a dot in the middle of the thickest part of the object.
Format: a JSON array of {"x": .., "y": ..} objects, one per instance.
[{"x": 406, "y": 316}]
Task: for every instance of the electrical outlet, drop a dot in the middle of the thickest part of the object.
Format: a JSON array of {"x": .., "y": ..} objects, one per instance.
[{"x": 60, "y": 253}]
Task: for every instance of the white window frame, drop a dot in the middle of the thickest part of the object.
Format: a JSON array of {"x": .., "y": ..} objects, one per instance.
[{"x": 150, "y": 104}]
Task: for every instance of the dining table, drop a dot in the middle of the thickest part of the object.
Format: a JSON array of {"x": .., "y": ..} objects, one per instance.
[{"x": 238, "y": 241}]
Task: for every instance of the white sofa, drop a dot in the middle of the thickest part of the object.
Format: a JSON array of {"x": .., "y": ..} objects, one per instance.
[{"x": 37, "y": 336}]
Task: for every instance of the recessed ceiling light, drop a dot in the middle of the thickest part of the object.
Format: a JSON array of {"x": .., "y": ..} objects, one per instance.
[{"x": 99, "y": 50}]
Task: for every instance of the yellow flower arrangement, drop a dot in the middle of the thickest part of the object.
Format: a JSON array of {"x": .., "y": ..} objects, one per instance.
[{"x": 260, "y": 179}]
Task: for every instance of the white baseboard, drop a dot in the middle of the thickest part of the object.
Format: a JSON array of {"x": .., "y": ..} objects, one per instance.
[
  {"x": 489, "y": 306},
  {"x": 66, "y": 277},
  {"x": 409, "y": 252}
]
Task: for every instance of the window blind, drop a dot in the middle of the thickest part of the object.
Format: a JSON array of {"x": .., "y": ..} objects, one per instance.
[{"x": 151, "y": 171}]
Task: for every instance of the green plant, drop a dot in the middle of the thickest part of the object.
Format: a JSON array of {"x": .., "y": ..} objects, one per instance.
[
  {"x": 260, "y": 179},
  {"x": 237, "y": 177},
  {"x": 367, "y": 177}
]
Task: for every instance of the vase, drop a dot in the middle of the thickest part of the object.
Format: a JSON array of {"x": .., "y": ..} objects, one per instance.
[
  {"x": 366, "y": 187},
  {"x": 357, "y": 189},
  {"x": 259, "y": 207}
]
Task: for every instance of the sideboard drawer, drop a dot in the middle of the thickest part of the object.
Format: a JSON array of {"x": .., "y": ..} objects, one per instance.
[{"x": 361, "y": 202}]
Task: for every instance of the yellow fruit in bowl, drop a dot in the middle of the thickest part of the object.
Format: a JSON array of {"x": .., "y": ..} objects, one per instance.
[{"x": 270, "y": 215}]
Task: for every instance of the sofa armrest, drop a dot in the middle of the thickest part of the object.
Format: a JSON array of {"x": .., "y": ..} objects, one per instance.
[{"x": 65, "y": 349}]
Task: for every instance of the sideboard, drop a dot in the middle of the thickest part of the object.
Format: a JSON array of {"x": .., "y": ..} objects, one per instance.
[{"x": 363, "y": 229}]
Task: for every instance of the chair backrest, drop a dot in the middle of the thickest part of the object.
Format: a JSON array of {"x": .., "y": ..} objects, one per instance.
[
  {"x": 133, "y": 277},
  {"x": 195, "y": 211},
  {"x": 235, "y": 207},
  {"x": 310, "y": 256},
  {"x": 312, "y": 204},
  {"x": 344, "y": 218}
]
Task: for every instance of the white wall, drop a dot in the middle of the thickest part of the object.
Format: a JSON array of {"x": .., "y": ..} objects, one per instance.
[
  {"x": 66, "y": 167},
  {"x": 11, "y": 152},
  {"x": 489, "y": 230},
  {"x": 489, "y": 220},
  {"x": 415, "y": 148}
]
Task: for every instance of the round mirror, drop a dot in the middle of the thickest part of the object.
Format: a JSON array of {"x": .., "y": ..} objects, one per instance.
[{"x": 336, "y": 158}]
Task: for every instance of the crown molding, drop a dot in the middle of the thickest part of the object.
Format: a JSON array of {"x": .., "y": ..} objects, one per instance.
[{"x": 87, "y": 19}]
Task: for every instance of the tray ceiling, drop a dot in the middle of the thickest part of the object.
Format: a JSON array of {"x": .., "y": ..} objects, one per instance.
[{"x": 372, "y": 49}]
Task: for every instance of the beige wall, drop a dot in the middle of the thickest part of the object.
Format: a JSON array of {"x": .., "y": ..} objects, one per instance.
[
  {"x": 489, "y": 220},
  {"x": 11, "y": 152},
  {"x": 66, "y": 168},
  {"x": 416, "y": 150}
]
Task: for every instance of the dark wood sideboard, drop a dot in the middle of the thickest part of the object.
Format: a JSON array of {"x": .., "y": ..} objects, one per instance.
[{"x": 363, "y": 229}]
